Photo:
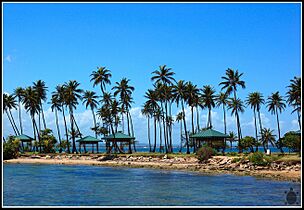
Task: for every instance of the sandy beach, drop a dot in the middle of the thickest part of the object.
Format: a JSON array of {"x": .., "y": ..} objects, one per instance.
[{"x": 215, "y": 165}]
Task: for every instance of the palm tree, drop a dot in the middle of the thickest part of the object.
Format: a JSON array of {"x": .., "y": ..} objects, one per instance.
[
  {"x": 208, "y": 100},
  {"x": 72, "y": 94},
  {"x": 267, "y": 137},
  {"x": 101, "y": 76},
  {"x": 89, "y": 99},
  {"x": 222, "y": 99},
  {"x": 237, "y": 106},
  {"x": 9, "y": 103},
  {"x": 255, "y": 99},
  {"x": 41, "y": 89},
  {"x": 294, "y": 96},
  {"x": 60, "y": 94},
  {"x": 31, "y": 101},
  {"x": 151, "y": 102},
  {"x": 179, "y": 95},
  {"x": 231, "y": 81},
  {"x": 56, "y": 105},
  {"x": 124, "y": 90},
  {"x": 179, "y": 118},
  {"x": 232, "y": 137},
  {"x": 147, "y": 111},
  {"x": 163, "y": 75},
  {"x": 19, "y": 93},
  {"x": 275, "y": 104},
  {"x": 192, "y": 92}
]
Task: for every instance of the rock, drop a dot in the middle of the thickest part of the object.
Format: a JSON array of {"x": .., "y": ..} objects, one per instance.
[
  {"x": 165, "y": 157},
  {"x": 48, "y": 157},
  {"x": 35, "y": 156}
]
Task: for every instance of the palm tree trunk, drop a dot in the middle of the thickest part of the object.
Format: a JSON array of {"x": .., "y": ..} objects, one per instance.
[
  {"x": 11, "y": 122},
  {"x": 278, "y": 131},
  {"x": 128, "y": 122},
  {"x": 209, "y": 116},
  {"x": 77, "y": 126},
  {"x": 39, "y": 121},
  {"x": 256, "y": 129},
  {"x": 20, "y": 121},
  {"x": 42, "y": 115},
  {"x": 181, "y": 136},
  {"x": 164, "y": 124},
  {"x": 160, "y": 136},
  {"x": 261, "y": 128},
  {"x": 37, "y": 134},
  {"x": 132, "y": 129},
  {"x": 186, "y": 134},
  {"x": 225, "y": 119},
  {"x": 238, "y": 129},
  {"x": 66, "y": 130},
  {"x": 149, "y": 134},
  {"x": 60, "y": 150},
  {"x": 74, "y": 149},
  {"x": 167, "y": 126},
  {"x": 94, "y": 119},
  {"x": 154, "y": 148},
  {"x": 197, "y": 119},
  {"x": 194, "y": 143},
  {"x": 123, "y": 122},
  {"x": 14, "y": 122},
  {"x": 299, "y": 118}
]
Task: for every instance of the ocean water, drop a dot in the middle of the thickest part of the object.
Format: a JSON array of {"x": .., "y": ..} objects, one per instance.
[{"x": 78, "y": 185}]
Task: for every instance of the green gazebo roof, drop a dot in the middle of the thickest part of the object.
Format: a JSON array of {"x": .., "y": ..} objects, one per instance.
[
  {"x": 118, "y": 135},
  {"x": 88, "y": 139},
  {"x": 24, "y": 137},
  {"x": 210, "y": 133}
]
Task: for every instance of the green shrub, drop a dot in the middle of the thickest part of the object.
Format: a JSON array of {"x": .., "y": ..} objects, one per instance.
[
  {"x": 204, "y": 153},
  {"x": 235, "y": 160},
  {"x": 259, "y": 159},
  {"x": 11, "y": 148},
  {"x": 232, "y": 154}
]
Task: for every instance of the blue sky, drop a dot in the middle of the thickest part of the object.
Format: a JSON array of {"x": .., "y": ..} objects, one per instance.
[{"x": 199, "y": 41}]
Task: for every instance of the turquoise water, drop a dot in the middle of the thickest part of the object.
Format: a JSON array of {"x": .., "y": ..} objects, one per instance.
[{"x": 63, "y": 185}]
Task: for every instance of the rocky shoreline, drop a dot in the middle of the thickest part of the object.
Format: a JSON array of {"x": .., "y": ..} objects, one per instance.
[{"x": 287, "y": 171}]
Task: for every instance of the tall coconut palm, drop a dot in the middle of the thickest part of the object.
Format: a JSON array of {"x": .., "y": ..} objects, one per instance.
[
  {"x": 9, "y": 103},
  {"x": 275, "y": 104},
  {"x": 208, "y": 100},
  {"x": 237, "y": 106},
  {"x": 179, "y": 95},
  {"x": 124, "y": 90},
  {"x": 254, "y": 100},
  {"x": 268, "y": 137},
  {"x": 72, "y": 94},
  {"x": 19, "y": 92},
  {"x": 164, "y": 76},
  {"x": 31, "y": 101},
  {"x": 56, "y": 105},
  {"x": 192, "y": 92},
  {"x": 147, "y": 111},
  {"x": 294, "y": 96},
  {"x": 90, "y": 100},
  {"x": 222, "y": 99},
  {"x": 40, "y": 88},
  {"x": 60, "y": 94},
  {"x": 231, "y": 82},
  {"x": 101, "y": 77},
  {"x": 151, "y": 97}
]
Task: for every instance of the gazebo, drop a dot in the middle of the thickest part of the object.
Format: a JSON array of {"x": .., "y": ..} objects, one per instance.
[
  {"x": 24, "y": 138},
  {"x": 88, "y": 140},
  {"x": 118, "y": 137},
  {"x": 210, "y": 136}
]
